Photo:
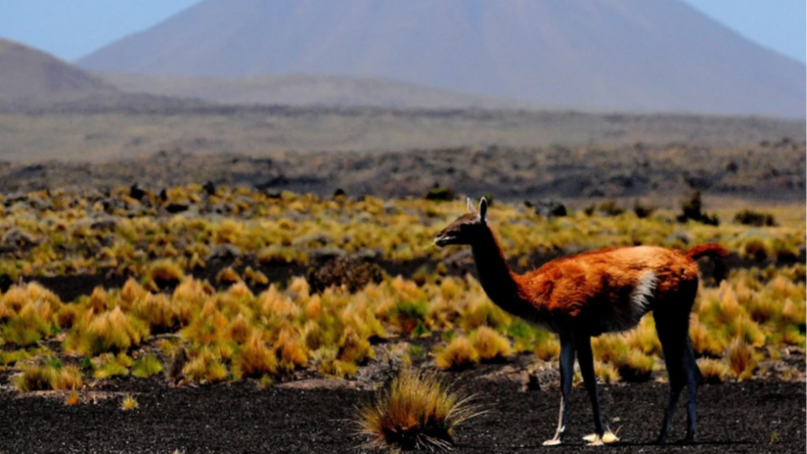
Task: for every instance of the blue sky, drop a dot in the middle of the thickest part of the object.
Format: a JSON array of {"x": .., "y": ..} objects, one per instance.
[{"x": 70, "y": 29}]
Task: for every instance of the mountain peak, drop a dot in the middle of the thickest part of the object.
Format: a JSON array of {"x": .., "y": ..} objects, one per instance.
[
  {"x": 615, "y": 55},
  {"x": 29, "y": 73}
]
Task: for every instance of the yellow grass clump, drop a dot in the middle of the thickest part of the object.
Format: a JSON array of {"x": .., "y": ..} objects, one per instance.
[
  {"x": 166, "y": 273},
  {"x": 157, "y": 311},
  {"x": 547, "y": 348},
  {"x": 255, "y": 277},
  {"x": 291, "y": 349},
  {"x": 606, "y": 372},
  {"x": 113, "y": 331},
  {"x": 417, "y": 411},
  {"x": 72, "y": 398},
  {"x": 108, "y": 365},
  {"x": 713, "y": 370},
  {"x": 228, "y": 276},
  {"x": 206, "y": 367},
  {"x": 208, "y": 326},
  {"x": 255, "y": 359},
  {"x": 48, "y": 376},
  {"x": 147, "y": 366},
  {"x": 490, "y": 345},
  {"x": 458, "y": 354},
  {"x": 129, "y": 403},
  {"x": 353, "y": 348},
  {"x": 742, "y": 359},
  {"x": 132, "y": 291}
]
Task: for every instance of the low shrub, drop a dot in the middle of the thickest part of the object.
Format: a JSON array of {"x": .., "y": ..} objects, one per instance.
[
  {"x": 206, "y": 367},
  {"x": 458, "y": 354},
  {"x": 51, "y": 375},
  {"x": 353, "y": 274},
  {"x": 713, "y": 370},
  {"x": 416, "y": 411},
  {"x": 742, "y": 359},
  {"x": 255, "y": 359},
  {"x": 755, "y": 218},
  {"x": 129, "y": 403},
  {"x": 490, "y": 345},
  {"x": 147, "y": 366}
]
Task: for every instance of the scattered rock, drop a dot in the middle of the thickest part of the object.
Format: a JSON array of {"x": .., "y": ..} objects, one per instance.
[
  {"x": 174, "y": 208},
  {"x": 326, "y": 253},
  {"x": 225, "y": 252},
  {"x": 17, "y": 239},
  {"x": 531, "y": 383},
  {"x": 104, "y": 223},
  {"x": 210, "y": 188},
  {"x": 136, "y": 193},
  {"x": 549, "y": 208},
  {"x": 174, "y": 372}
]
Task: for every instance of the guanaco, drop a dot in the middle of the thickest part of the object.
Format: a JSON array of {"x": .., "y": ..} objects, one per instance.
[{"x": 597, "y": 292}]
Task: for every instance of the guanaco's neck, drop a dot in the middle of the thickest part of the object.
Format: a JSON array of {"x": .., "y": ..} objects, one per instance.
[{"x": 501, "y": 284}]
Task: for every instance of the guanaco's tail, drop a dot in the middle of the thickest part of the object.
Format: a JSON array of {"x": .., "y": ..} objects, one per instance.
[{"x": 715, "y": 252}]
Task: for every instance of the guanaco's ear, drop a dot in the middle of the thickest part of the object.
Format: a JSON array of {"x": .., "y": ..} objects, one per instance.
[
  {"x": 483, "y": 209},
  {"x": 470, "y": 203}
]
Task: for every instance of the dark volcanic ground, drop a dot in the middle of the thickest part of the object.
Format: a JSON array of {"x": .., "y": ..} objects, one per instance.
[{"x": 755, "y": 417}]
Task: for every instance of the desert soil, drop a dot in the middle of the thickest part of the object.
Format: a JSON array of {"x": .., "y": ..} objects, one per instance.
[{"x": 315, "y": 417}]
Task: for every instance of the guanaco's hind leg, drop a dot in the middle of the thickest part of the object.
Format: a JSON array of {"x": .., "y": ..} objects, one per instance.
[
  {"x": 566, "y": 373},
  {"x": 693, "y": 375},
  {"x": 673, "y": 333}
]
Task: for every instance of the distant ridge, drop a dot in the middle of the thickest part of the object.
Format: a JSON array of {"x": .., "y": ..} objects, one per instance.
[
  {"x": 307, "y": 90},
  {"x": 611, "y": 55},
  {"x": 29, "y": 73}
]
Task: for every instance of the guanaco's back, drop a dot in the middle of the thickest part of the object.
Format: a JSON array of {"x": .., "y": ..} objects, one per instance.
[{"x": 610, "y": 290}]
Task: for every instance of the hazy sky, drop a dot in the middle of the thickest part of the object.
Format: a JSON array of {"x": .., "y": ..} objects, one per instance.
[{"x": 70, "y": 29}]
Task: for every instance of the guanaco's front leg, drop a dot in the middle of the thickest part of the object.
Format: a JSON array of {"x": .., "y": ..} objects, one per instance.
[
  {"x": 566, "y": 374},
  {"x": 586, "y": 360}
]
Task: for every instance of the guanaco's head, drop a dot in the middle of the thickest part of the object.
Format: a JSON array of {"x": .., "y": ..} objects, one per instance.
[{"x": 466, "y": 228}]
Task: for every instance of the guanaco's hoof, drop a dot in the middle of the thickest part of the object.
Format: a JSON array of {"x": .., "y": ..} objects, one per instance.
[{"x": 607, "y": 438}]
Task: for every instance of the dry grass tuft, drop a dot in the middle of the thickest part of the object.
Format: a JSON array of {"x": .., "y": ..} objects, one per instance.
[
  {"x": 166, "y": 273},
  {"x": 112, "y": 331},
  {"x": 206, "y": 367},
  {"x": 606, "y": 372},
  {"x": 147, "y": 366},
  {"x": 547, "y": 349},
  {"x": 291, "y": 348},
  {"x": 490, "y": 345},
  {"x": 458, "y": 354},
  {"x": 72, "y": 399},
  {"x": 48, "y": 376},
  {"x": 742, "y": 359},
  {"x": 417, "y": 411},
  {"x": 255, "y": 359},
  {"x": 157, "y": 311},
  {"x": 713, "y": 370},
  {"x": 228, "y": 276},
  {"x": 129, "y": 403}
]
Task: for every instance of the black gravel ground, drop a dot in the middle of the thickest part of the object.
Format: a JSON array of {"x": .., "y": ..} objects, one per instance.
[{"x": 756, "y": 417}]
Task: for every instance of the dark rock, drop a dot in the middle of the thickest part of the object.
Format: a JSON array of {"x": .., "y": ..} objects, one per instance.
[
  {"x": 136, "y": 193},
  {"x": 174, "y": 208},
  {"x": 104, "y": 223},
  {"x": 17, "y": 239},
  {"x": 549, "y": 208},
  {"x": 210, "y": 188},
  {"x": 225, "y": 252},
  {"x": 326, "y": 253}
]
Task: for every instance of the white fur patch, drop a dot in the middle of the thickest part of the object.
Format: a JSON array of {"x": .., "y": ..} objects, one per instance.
[{"x": 642, "y": 294}]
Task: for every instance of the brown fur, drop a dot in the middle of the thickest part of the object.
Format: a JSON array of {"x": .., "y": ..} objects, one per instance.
[{"x": 591, "y": 292}]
